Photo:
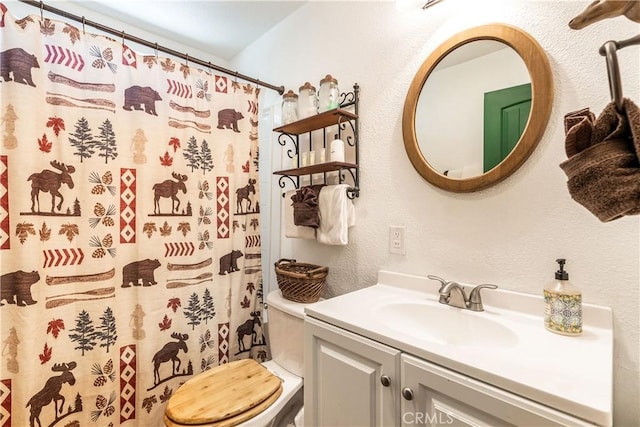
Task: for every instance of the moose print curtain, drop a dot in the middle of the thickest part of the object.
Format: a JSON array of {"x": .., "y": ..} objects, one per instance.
[{"x": 129, "y": 226}]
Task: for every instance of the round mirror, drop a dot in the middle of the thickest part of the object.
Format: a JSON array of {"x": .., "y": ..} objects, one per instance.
[{"x": 477, "y": 108}]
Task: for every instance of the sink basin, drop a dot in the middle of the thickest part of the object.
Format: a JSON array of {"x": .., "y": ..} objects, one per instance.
[{"x": 447, "y": 325}]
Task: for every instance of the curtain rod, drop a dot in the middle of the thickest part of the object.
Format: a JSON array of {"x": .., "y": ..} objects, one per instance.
[{"x": 155, "y": 46}]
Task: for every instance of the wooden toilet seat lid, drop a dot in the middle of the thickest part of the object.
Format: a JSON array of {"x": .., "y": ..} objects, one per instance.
[{"x": 242, "y": 388}]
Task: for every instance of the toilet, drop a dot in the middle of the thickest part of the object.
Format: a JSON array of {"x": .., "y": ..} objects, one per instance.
[{"x": 244, "y": 392}]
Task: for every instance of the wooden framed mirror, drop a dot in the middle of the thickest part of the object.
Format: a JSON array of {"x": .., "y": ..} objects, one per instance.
[{"x": 455, "y": 143}]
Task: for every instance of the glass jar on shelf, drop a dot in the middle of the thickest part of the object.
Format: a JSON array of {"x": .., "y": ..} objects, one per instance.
[
  {"x": 328, "y": 98},
  {"x": 307, "y": 101},
  {"x": 289, "y": 107}
]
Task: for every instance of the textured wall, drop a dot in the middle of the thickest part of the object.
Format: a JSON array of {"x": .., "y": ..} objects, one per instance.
[{"x": 509, "y": 234}]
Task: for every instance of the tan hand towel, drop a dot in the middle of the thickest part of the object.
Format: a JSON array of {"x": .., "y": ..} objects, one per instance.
[{"x": 603, "y": 166}]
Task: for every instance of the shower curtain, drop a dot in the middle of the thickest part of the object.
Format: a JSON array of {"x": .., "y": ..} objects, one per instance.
[{"x": 129, "y": 226}]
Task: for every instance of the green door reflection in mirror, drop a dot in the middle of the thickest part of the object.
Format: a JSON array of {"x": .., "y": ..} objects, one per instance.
[{"x": 506, "y": 112}]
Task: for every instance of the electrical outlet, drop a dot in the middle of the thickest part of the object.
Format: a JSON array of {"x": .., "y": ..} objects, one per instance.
[{"x": 396, "y": 239}]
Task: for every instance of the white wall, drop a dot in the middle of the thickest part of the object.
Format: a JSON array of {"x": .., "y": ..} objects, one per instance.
[{"x": 509, "y": 234}]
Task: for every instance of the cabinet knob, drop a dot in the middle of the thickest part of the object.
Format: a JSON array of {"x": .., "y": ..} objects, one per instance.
[
  {"x": 407, "y": 393},
  {"x": 385, "y": 380}
]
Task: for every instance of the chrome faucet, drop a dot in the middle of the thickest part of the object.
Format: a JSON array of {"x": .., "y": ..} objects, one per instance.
[{"x": 453, "y": 294}]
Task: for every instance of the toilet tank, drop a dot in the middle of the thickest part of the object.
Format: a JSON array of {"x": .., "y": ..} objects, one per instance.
[{"x": 286, "y": 332}]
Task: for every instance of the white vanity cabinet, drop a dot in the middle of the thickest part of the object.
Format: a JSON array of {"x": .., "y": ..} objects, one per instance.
[
  {"x": 353, "y": 381},
  {"x": 344, "y": 376},
  {"x": 433, "y": 395}
]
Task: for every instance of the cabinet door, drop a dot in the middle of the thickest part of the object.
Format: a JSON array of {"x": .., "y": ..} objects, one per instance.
[
  {"x": 443, "y": 397},
  {"x": 343, "y": 384}
]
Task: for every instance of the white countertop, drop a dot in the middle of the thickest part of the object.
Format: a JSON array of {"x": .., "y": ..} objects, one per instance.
[{"x": 571, "y": 374}]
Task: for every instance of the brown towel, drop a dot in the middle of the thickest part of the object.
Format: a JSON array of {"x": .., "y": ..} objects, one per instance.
[
  {"x": 603, "y": 166},
  {"x": 305, "y": 206}
]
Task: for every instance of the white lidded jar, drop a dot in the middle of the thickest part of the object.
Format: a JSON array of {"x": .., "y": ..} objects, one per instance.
[
  {"x": 289, "y": 107},
  {"x": 336, "y": 147},
  {"x": 307, "y": 101},
  {"x": 328, "y": 99}
]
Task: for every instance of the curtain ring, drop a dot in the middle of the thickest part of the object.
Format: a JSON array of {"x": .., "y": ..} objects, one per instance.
[
  {"x": 83, "y": 22},
  {"x": 122, "y": 38},
  {"x": 41, "y": 10},
  {"x": 235, "y": 78},
  {"x": 156, "y": 49},
  {"x": 186, "y": 59}
]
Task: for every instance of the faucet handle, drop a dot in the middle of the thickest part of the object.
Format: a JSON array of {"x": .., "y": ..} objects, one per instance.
[
  {"x": 475, "y": 301},
  {"x": 439, "y": 279}
]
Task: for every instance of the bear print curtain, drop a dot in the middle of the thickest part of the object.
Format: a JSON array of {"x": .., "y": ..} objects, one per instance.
[{"x": 129, "y": 238}]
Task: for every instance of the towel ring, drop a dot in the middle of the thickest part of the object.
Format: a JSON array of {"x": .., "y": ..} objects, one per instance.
[
  {"x": 609, "y": 50},
  {"x": 613, "y": 71}
]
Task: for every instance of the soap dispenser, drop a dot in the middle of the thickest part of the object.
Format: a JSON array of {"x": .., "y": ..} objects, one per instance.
[{"x": 562, "y": 304}]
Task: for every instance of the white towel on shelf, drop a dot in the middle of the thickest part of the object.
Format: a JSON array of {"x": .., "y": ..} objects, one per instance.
[
  {"x": 290, "y": 229},
  {"x": 337, "y": 214}
]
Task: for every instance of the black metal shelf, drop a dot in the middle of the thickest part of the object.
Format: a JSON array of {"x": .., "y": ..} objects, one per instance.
[{"x": 342, "y": 118}]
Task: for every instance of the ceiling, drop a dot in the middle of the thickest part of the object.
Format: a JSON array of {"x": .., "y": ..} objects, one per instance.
[{"x": 220, "y": 28}]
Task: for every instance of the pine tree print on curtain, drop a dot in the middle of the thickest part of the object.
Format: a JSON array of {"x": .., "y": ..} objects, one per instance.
[{"x": 130, "y": 236}]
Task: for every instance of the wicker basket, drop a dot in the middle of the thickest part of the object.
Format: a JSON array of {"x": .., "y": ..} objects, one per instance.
[{"x": 300, "y": 282}]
